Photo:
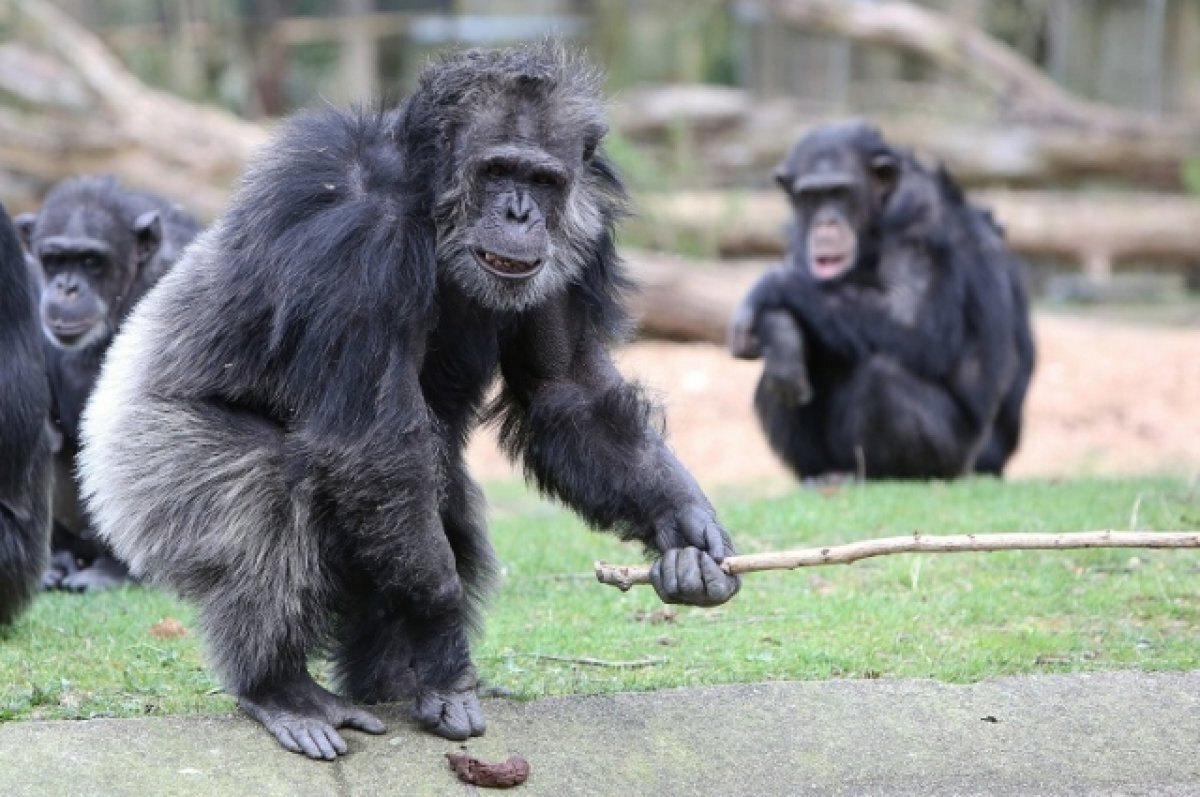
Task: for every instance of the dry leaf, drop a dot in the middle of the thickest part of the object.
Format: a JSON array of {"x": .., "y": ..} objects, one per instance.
[{"x": 168, "y": 628}]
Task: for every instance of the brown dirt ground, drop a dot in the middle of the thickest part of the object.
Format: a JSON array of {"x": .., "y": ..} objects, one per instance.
[{"x": 1107, "y": 399}]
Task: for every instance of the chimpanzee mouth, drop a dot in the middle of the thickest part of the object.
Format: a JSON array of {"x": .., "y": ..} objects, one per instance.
[
  {"x": 507, "y": 267},
  {"x": 828, "y": 266},
  {"x": 68, "y": 332}
]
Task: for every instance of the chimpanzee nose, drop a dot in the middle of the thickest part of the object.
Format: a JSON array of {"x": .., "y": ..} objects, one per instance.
[{"x": 520, "y": 207}]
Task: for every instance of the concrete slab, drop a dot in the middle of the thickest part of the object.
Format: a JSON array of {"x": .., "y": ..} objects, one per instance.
[{"x": 1114, "y": 733}]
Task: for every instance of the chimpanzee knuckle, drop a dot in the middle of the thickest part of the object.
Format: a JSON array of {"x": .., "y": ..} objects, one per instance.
[
  {"x": 689, "y": 574},
  {"x": 451, "y": 715}
]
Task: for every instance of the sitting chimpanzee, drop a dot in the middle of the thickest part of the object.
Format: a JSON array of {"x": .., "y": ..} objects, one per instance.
[
  {"x": 101, "y": 247},
  {"x": 278, "y": 431},
  {"x": 25, "y": 437},
  {"x": 896, "y": 336}
]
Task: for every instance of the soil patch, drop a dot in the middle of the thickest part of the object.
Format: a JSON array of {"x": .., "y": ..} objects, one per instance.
[{"x": 1107, "y": 399}]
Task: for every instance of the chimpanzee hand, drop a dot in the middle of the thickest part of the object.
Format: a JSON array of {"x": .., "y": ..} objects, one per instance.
[
  {"x": 693, "y": 545},
  {"x": 742, "y": 340}
]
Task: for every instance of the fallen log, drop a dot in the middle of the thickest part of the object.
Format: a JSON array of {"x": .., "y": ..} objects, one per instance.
[
  {"x": 1094, "y": 231},
  {"x": 686, "y": 300},
  {"x": 739, "y": 138},
  {"x": 624, "y": 577},
  {"x": 103, "y": 119}
]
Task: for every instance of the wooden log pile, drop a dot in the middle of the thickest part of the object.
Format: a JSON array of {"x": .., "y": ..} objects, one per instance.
[{"x": 1095, "y": 230}]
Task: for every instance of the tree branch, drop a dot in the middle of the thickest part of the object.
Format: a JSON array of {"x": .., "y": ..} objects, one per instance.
[
  {"x": 625, "y": 576},
  {"x": 1026, "y": 93}
]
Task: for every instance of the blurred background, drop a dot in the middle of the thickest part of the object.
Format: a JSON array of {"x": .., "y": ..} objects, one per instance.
[{"x": 1076, "y": 121}]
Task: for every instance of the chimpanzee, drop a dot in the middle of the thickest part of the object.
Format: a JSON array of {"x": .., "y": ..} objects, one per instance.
[
  {"x": 896, "y": 336},
  {"x": 278, "y": 430},
  {"x": 25, "y": 438},
  {"x": 101, "y": 247}
]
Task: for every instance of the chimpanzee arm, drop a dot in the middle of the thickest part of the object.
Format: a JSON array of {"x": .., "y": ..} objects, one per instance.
[
  {"x": 838, "y": 327},
  {"x": 744, "y": 339},
  {"x": 585, "y": 437}
]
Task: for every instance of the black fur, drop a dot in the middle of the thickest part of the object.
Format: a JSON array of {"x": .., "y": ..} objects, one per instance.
[
  {"x": 25, "y": 440},
  {"x": 133, "y": 238},
  {"x": 278, "y": 433},
  {"x": 916, "y": 360}
]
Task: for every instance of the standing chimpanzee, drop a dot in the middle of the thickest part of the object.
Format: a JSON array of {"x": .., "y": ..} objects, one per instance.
[
  {"x": 101, "y": 247},
  {"x": 278, "y": 431},
  {"x": 25, "y": 438},
  {"x": 896, "y": 337}
]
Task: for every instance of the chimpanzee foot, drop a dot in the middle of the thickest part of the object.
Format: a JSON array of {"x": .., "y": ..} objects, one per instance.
[
  {"x": 62, "y": 565},
  {"x": 103, "y": 573},
  {"x": 451, "y": 715},
  {"x": 304, "y": 718}
]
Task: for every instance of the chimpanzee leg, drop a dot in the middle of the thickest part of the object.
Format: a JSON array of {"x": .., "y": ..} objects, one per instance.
[
  {"x": 900, "y": 426},
  {"x": 796, "y": 434},
  {"x": 1006, "y": 430},
  {"x": 375, "y": 656}
]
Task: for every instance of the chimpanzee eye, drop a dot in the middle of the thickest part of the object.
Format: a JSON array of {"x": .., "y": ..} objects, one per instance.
[
  {"x": 496, "y": 171},
  {"x": 545, "y": 179}
]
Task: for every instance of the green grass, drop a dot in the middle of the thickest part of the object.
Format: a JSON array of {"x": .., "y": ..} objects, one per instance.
[{"x": 956, "y": 618}]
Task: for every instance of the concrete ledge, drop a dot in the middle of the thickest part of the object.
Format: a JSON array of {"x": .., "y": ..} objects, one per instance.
[{"x": 1113, "y": 733}]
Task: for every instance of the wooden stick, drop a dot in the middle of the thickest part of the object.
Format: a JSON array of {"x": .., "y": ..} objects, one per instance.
[
  {"x": 625, "y": 576},
  {"x": 593, "y": 662}
]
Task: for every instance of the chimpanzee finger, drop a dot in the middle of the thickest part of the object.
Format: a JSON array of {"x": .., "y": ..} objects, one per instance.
[
  {"x": 691, "y": 582},
  {"x": 690, "y": 522},
  {"x": 716, "y": 541},
  {"x": 304, "y": 738},
  {"x": 663, "y": 577},
  {"x": 363, "y": 721},
  {"x": 336, "y": 742},
  {"x": 284, "y": 735},
  {"x": 719, "y": 586}
]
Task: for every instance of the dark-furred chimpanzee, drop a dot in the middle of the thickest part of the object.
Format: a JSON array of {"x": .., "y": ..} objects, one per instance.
[
  {"x": 278, "y": 430},
  {"x": 101, "y": 247},
  {"x": 25, "y": 437},
  {"x": 896, "y": 337}
]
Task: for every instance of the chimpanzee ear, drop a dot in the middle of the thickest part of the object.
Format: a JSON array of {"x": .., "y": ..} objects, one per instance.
[
  {"x": 147, "y": 230},
  {"x": 783, "y": 178},
  {"x": 592, "y": 140},
  {"x": 24, "y": 222},
  {"x": 885, "y": 169}
]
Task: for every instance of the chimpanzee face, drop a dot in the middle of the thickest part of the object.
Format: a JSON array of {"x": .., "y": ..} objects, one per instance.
[
  {"x": 89, "y": 258},
  {"x": 838, "y": 179},
  {"x": 524, "y": 208}
]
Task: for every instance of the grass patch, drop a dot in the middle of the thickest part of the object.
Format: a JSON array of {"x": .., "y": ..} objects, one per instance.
[{"x": 955, "y": 618}]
